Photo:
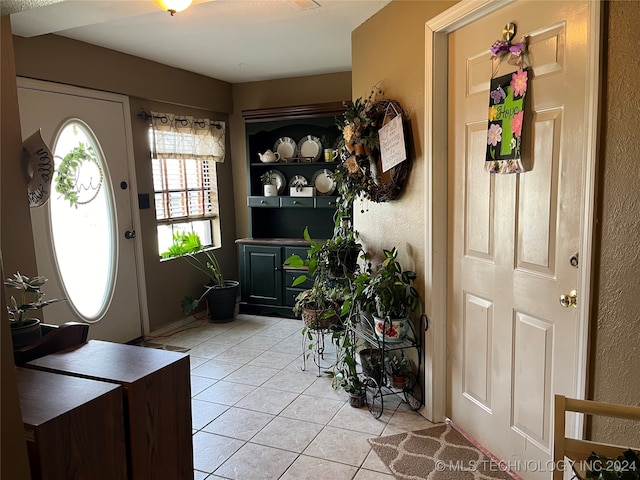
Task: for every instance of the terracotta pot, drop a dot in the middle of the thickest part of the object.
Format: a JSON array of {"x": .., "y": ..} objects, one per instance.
[
  {"x": 359, "y": 148},
  {"x": 398, "y": 381}
]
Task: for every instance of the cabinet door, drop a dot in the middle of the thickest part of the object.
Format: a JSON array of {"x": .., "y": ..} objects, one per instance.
[{"x": 262, "y": 274}]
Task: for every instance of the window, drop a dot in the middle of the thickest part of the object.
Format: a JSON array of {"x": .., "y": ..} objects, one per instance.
[{"x": 184, "y": 156}]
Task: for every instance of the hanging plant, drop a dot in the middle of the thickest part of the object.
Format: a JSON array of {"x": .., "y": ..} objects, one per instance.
[{"x": 68, "y": 176}]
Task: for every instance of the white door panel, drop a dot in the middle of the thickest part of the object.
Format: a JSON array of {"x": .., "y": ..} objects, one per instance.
[
  {"x": 49, "y": 107},
  {"x": 512, "y": 345}
]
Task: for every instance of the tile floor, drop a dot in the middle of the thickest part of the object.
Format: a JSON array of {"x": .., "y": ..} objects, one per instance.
[{"x": 257, "y": 415}]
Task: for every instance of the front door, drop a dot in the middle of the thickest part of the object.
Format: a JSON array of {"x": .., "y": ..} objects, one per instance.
[
  {"x": 81, "y": 246},
  {"x": 511, "y": 344}
]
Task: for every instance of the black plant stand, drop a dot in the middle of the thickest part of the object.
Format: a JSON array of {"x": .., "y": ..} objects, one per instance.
[{"x": 379, "y": 387}]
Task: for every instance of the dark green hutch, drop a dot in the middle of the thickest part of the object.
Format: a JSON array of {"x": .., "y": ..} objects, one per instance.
[{"x": 276, "y": 224}]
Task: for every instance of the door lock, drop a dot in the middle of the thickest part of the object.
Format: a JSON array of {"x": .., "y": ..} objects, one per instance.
[
  {"x": 570, "y": 299},
  {"x": 130, "y": 234}
]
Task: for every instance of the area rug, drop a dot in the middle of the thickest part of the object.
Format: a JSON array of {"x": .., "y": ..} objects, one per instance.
[{"x": 436, "y": 453}]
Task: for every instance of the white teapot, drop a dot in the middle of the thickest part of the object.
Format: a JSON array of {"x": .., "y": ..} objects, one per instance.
[{"x": 269, "y": 156}]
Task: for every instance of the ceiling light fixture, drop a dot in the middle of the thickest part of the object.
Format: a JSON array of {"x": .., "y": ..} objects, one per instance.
[{"x": 172, "y": 6}]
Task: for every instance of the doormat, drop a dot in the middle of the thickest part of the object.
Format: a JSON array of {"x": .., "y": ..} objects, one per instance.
[{"x": 436, "y": 453}]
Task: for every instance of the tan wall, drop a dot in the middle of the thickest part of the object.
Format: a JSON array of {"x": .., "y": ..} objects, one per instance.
[
  {"x": 163, "y": 88},
  {"x": 275, "y": 93},
  {"x": 16, "y": 225},
  {"x": 388, "y": 50},
  {"x": 168, "y": 282},
  {"x": 616, "y": 330},
  {"x": 63, "y": 60}
]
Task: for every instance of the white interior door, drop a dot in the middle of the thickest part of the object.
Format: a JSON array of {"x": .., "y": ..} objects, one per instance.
[
  {"x": 511, "y": 344},
  {"x": 82, "y": 249}
]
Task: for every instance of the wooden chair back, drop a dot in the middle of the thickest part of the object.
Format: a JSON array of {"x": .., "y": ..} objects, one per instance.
[{"x": 579, "y": 450}]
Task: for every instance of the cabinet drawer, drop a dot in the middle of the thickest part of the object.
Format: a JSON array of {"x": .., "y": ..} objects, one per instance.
[
  {"x": 291, "y": 275},
  {"x": 325, "y": 202},
  {"x": 297, "y": 202},
  {"x": 290, "y": 295},
  {"x": 300, "y": 251},
  {"x": 263, "y": 201}
]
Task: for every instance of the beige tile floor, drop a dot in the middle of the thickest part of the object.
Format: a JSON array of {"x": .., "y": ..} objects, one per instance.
[{"x": 257, "y": 415}]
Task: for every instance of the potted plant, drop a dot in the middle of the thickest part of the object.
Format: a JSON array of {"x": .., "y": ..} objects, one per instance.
[
  {"x": 371, "y": 361},
  {"x": 344, "y": 372},
  {"x": 324, "y": 295},
  {"x": 625, "y": 467},
  {"x": 24, "y": 329},
  {"x": 269, "y": 185},
  {"x": 397, "y": 367},
  {"x": 389, "y": 296},
  {"x": 221, "y": 294}
]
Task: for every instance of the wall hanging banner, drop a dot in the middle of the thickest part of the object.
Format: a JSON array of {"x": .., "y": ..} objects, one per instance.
[
  {"x": 39, "y": 166},
  {"x": 506, "y": 122}
]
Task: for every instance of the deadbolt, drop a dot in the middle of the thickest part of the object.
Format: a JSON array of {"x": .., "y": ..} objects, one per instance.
[
  {"x": 573, "y": 260},
  {"x": 130, "y": 234},
  {"x": 569, "y": 300}
]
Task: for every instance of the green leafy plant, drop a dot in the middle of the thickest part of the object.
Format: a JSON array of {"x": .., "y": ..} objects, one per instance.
[
  {"x": 67, "y": 175},
  {"x": 189, "y": 247},
  {"x": 388, "y": 292},
  {"x": 397, "y": 365},
  {"x": 625, "y": 467},
  {"x": 344, "y": 372},
  {"x": 268, "y": 178},
  {"x": 28, "y": 286}
]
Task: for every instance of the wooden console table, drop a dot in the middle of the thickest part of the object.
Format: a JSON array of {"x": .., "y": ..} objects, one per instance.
[
  {"x": 157, "y": 401},
  {"x": 74, "y": 427}
]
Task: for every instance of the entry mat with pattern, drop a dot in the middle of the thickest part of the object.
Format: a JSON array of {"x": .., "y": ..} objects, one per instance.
[{"x": 436, "y": 453}]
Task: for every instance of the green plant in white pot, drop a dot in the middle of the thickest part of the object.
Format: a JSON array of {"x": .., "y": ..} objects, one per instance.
[
  {"x": 25, "y": 329},
  {"x": 389, "y": 296},
  {"x": 269, "y": 185},
  {"x": 221, "y": 294}
]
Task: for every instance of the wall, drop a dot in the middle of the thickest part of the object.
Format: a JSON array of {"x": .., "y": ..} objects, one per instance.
[
  {"x": 275, "y": 93},
  {"x": 13, "y": 449},
  {"x": 388, "y": 50},
  {"x": 616, "y": 333},
  {"x": 163, "y": 88},
  {"x": 167, "y": 282}
]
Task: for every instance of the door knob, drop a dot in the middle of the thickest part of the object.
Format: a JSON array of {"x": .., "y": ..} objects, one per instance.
[
  {"x": 130, "y": 234},
  {"x": 570, "y": 299}
]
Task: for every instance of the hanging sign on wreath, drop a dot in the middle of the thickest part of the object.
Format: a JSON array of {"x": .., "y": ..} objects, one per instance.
[
  {"x": 507, "y": 95},
  {"x": 392, "y": 144}
]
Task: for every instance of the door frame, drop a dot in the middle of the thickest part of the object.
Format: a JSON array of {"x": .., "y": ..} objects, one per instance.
[
  {"x": 131, "y": 169},
  {"x": 437, "y": 31}
]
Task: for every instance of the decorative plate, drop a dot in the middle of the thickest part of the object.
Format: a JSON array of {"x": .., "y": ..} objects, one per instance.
[
  {"x": 298, "y": 181},
  {"x": 281, "y": 182},
  {"x": 323, "y": 182},
  {"x": 310, "y": 147},
  {"x": 286, "y": 147}
]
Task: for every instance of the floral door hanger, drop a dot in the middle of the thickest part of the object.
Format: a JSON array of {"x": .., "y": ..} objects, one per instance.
[{"x": 506, "y": 119}]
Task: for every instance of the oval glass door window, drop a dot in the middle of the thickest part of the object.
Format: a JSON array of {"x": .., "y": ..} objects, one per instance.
[{"x": 82, "y": 217}]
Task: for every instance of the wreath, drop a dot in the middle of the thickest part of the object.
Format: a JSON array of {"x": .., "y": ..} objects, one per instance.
[
  {"x": 360, "y": 172},
  {"x": 67, "y": 179}
]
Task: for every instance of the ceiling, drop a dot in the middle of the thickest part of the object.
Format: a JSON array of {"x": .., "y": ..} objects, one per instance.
[{"x": 231, "y": 40}]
